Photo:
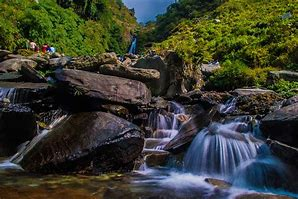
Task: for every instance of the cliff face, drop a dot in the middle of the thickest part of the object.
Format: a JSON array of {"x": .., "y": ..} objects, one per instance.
[{"x": 73, "y": 27}]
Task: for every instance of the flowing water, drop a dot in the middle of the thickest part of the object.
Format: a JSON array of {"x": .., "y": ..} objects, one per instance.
[{"x": 227, "y": 150}]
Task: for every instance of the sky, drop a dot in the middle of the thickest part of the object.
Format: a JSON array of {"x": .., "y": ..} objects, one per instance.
[{"x": 146, "y": 10}]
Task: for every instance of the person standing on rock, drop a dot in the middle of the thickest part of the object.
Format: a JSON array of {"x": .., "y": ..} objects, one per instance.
[
  {"x": 44, "y": 48},
  {"x": 32, "y": 45}
]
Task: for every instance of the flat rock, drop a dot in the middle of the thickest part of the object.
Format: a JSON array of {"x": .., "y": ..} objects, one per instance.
[
  {"x": 103, "y": 87},
  {"x": 251, "y": 91}
]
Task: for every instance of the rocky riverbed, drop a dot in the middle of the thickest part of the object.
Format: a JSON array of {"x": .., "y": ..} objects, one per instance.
[{"x": 89, "y": 116}]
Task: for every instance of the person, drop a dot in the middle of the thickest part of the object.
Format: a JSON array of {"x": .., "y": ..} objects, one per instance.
[
  {"x": 44, "y": 48},
  {"x": 32, "y": 45}
]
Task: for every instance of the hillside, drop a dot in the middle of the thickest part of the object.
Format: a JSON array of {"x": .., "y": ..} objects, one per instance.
[
  {"x": 73, "y": 27},
  {"x": 255, "y": 33}
]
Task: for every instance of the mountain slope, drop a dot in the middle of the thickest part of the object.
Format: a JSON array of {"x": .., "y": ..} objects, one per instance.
[{"x": 256, "y": 33}]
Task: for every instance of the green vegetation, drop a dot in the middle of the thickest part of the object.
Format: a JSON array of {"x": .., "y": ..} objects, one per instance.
[
  {"x": 236, "y": 74},
  {"x": 285, "y": 88},
  {"x": 257, "y": 33},
  {"x": 74, "y": 27}
]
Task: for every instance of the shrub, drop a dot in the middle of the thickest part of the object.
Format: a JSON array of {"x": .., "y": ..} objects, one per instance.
[
  {"x": 285, "y": 88},
  {"x": 235, "y": 74}
]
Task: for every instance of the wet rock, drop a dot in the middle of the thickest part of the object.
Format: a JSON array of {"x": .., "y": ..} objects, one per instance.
[
  {"x": 17, "y": 125},
  {"x": 261, "y": 196},
  {"x": 283, "y": 74},
  {"x": 282, "y": 125},
  {"x": 159, "y": 159},
  {"x": 89, "y": 142},
  {"x": 218, "y": 183},
  {"x": 11, "y": 77},
  {"x": 96, "y": 88},
  {"x": 285, "y": 152},
  {"x": 13, "y": 65},
  {"x": 31, "y": 75},
  {"x": 23, "y": 92},
  {"x": 290, "y": 101},
  {"x": 189, "y": 130}
]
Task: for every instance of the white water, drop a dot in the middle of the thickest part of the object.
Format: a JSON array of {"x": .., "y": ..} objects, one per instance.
[{"x": 8, "y": 93}]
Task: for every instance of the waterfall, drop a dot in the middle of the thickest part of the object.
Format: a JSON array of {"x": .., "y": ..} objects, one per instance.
[
  {"x": 218, "y": 150},
  {"x": 133, "y": 46},
  {"x": 230, "y": 152},
  {"x": 228, "y": 107},
  {"x": 165, "y": 126},
  {"x": 8, "y": 93}
]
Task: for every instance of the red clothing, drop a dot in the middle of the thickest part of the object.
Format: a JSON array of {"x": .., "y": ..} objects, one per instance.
[{"x": 44, "y": 48}]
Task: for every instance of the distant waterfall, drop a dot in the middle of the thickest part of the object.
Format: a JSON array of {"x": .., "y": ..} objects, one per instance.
[{"x": 133, "y": 46}]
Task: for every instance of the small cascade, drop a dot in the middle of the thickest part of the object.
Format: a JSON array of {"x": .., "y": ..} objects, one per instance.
[
  {"x": 165, "y": 126},
  {"x": 8, "y": 93},
  {"x": 219, "y": 149},
  {"x": 231, "y": 151},
  {"x": 228, "y": 107}
]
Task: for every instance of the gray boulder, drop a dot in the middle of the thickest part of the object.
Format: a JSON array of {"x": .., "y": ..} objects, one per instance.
[
  {"x": 283, "y": 74},
  {"x": 13, "y": 65}
]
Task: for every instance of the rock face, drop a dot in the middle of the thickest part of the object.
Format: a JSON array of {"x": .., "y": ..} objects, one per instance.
[
  {"x": 89, "y": 142},
  {"x": 189, "y": 130},
  {"x": 17, "y": 125},
  {"x": 255, "y": 101},
  {"x": 12, "y": 65},
  {"x": 103, "y": 87},
  {"x": 282, "y": 125},
  {"x": 283, "y": 74},
  {"x": 89, "y": 63}
]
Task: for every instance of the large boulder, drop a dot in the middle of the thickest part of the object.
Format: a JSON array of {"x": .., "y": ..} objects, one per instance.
[
  {"x": 102, "y": 88},
  {"x": 17, "y": 125},
  {"x": 282, "y": 125},
  {"x": 88, "y": 142},
  {"x": 155, "y": 62},
  {"x": 175, "y": 75},
  {"x": 4, "y": 53},
  {"x": 12, "y": 65}
]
